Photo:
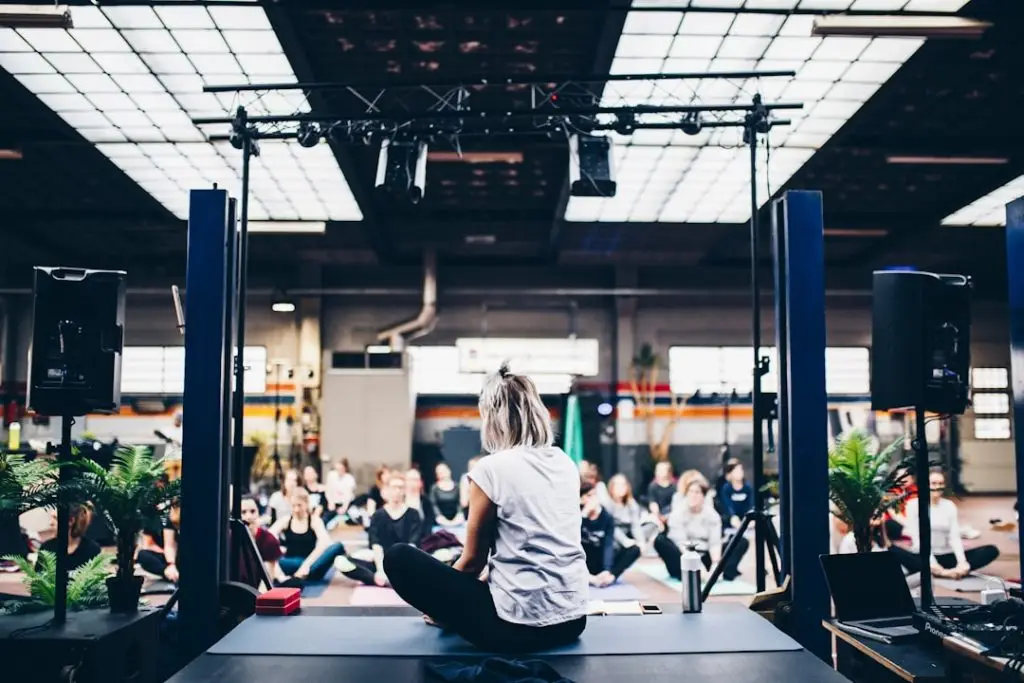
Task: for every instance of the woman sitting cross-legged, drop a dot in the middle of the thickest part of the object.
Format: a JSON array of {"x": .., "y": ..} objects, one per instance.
[
  {"x": 308, "y": 550},
  {"x": 444, "y": 498},
  {"x": 523, "y": 503},
  {"x": 606, "y": 559},
  {"x": 693, "y": 523}
]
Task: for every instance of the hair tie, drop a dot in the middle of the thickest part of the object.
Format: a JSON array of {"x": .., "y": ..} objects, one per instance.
[{"x": 503, "y": 370}]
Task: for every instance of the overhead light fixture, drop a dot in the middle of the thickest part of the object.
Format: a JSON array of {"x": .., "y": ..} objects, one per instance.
[
  {"x": 947, "y": 161},
  {"x": 476, "y": 157},
  {"x": 402, "y": 168},
  {"x": 289, "y": 227},
  {"x": 35, "y": 16},
  {"x": 899, "y": 26},
  {"x": 10, "y": 154},
  {"x": 378, "y": 348},
  {"x": 480, "y": 239},
  {"x": 282, "y": 304},
  {"x": 853, "y": 232}
]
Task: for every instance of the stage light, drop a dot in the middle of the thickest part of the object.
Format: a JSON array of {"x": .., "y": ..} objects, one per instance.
[
  {"x": 691, "y": 123},
  {"x": 35, "y": 16},
  {"x": 308, "y": 134},
  {"x": 282, "y": 304},
  {"x": 402, "y": 168},
  {"x": 591, "y": 166}
]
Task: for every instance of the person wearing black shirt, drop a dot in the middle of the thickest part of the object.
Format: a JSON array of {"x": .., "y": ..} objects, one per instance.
[
  {"x": 161, "y": 558},
  {"x": 80, "y": 548},
  {"x": 605, "y": 562},
  {"x": 444, "y": 497},
  {"x": 660, "y": 492},
  {"x": 736, "y": 495},
  {"x": 395, "y": 524},
  {"x": 375, "y": 499},
  {"x": 415, "y": 499}
]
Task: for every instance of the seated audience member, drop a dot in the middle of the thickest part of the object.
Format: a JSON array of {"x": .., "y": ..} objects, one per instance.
[
  {"x": 660, "y": 491},
  {"x": 693, "y": 523},
  {"x": 308, "y": 550},
  {"x": 464, "y": 486},
  {"x": 340, "y": 488},
  {"x": 279, "y": 506},
  {"x": 630, "y": 529},
  {"x": 375, "y": 500},
  {"x": 605, "y": 562},
  {"x": 266, "y": 543},
  {"x": 415, "y": 500},
  {"x": 316, "y": 491},
  {"x": 80, "y": 548},
  {"x": 590, "y": 473},
  {"x": 896, "y": 519},
  {"x": 949, "y": 560},
  {"x": 160, "y": 558},
  {"x": 394, "y": 524},
  {"x": 444, "y": 497},
  {"x": 736, "y": 494}
]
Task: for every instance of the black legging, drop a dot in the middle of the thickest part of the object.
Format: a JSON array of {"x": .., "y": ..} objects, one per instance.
[
  {"x": 670, "y": 555},
  {"x": 462, "y": 603},
  {"x": 152, "y": 562},
  {"x": 621, "y": 561},
  {"x": 976, "y": 557}
]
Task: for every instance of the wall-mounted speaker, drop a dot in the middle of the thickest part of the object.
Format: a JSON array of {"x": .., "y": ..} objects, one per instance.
[
  {"x": 77, "y": 340},
  {"x": 920, "y": 341}
]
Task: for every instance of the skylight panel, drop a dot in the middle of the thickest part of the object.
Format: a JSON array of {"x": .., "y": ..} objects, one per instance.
[
  {"x": 835, "y": 76},
  {"x": 128, "y": 79},
  {"x": 989, "y": 210}
]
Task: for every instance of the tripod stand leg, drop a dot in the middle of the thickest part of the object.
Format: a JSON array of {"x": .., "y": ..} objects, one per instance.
[
  {"x": 727, "y": 553},
  {"x": 771, "y": 540}
]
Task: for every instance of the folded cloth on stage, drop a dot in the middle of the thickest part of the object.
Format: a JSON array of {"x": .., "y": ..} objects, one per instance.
[{"x": 497, "y": 670}]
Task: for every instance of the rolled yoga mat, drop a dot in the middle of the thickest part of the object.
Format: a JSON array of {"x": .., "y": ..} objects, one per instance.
[{"x": 720, "y": 628}]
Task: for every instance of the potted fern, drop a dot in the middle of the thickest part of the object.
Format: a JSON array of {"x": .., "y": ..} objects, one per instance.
[
  {"x": 132, "y": 495},
  {"x": 861, "y": 483},
  {"x": 86, "y": 585}
]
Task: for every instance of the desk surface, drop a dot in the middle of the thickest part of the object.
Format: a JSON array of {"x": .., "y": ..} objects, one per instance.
[
  {"x": 910, "y": 659},
  {"x": 799, "y": 666}
]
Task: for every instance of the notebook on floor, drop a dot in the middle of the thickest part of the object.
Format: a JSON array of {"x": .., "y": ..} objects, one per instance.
[{"x": 870, "y": 594}]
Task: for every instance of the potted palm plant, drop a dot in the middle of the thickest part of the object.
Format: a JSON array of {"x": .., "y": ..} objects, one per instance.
[
  {"x": 132, "y": 495},
  {"x": 862, "y": 481},
  {"x": 86, "y": 587}
]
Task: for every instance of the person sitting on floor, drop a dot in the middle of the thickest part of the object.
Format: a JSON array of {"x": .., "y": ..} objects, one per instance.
[
  {"x": 693, "y": 523},
  {"x": 375, "y": 498},
  {"x": 81, "y": 549},
  {"x": 279, "y": 506},
  {"x": 266, "y": 542},
  {"x": 660, "y": 492},
  {"x": 340, "y": 489},
  {"x": 464, "y": 485},
  {"x": 605, "y": 561},
  {"x": 316, "y": 491},
  {"x": 949, "y": 560},
  {"x": 396, "y": 524},
  {"x": 896, "y": 520},
  {"x": 632, "y": 526},
  {"x": 590, "y": 474},
  {"x": 736, "y": 495},
  {"x": 160, "y": 558},
  {"x": 444, "y": 498},
  {"x": 535, "y": 594},
  {"x": 308, "y": 549},
  {"x": 415, "y": 500}
]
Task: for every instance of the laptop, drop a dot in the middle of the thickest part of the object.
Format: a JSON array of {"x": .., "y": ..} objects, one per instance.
[{"x": 870, "y": 594}]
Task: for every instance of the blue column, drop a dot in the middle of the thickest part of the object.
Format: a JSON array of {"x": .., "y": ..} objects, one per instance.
[
  {"x": 204, "y": 507},
  {"x": 1015, "y": 277},
  {"x": 803, "y": 419}
]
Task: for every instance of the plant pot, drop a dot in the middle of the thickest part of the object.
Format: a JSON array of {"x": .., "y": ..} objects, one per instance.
[{"x": 123, "y": 594}]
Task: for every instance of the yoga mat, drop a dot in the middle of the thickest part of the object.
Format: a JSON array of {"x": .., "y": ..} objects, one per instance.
[
  {"x": 714, "y": 630},
  {"x": 969, "y": 584},
  {"x": 721, "y": 587},
  {"x": 314, "y": 589},
  {"x": 374, "y": 596}
]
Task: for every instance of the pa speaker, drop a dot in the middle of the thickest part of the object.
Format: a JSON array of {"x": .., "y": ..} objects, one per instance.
[
  {"x": 920, "y": 341},
  {"x": 591, "y": 166},
  {"x": 77, "y": 340}
]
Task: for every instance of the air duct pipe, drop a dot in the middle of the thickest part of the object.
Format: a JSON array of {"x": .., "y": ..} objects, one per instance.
[{"x": 424, "y": 322}]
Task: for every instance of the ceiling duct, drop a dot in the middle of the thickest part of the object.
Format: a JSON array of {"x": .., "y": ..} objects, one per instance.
[{"x": 424, "y": 322}]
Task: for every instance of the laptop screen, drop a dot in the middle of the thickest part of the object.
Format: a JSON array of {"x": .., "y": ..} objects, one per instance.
[{"x": 867, "y": 586}]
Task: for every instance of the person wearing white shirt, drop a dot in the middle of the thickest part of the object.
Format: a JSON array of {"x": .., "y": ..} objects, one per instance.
[
  {"x": 341, "y": 487},
  {"x": 948, "y": 560}
]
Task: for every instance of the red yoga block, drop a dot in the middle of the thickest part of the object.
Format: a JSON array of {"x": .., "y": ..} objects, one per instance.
[{"x": 279, "y": 602}]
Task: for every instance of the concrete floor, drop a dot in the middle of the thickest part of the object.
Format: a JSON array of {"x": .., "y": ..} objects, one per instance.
[{"x": 976, "y": 511}]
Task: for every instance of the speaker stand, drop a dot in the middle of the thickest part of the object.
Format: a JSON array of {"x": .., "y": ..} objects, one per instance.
[
  {"x": 60, "y": 587},
  {"x": 924, "y": 524}
]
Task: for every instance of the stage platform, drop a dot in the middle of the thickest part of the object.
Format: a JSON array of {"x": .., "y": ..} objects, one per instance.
[{"x": 751, "y": 666}]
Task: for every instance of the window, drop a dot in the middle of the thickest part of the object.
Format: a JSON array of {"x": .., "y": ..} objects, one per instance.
[
  {"x": 161, "y": 370},
  {"x": 711, "y": 369},
  {"x": 991, "y": 404},
  {"x": 990, "y": 378},
  {"x": 435, "y": 370},
  {"x": 988, "y": 428}
]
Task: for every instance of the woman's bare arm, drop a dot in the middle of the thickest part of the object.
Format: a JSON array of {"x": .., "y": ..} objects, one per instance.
[{"x": 479, "y": 531}]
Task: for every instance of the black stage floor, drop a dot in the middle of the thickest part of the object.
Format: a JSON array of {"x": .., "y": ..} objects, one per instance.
[{"x": 772, "y": 667}]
